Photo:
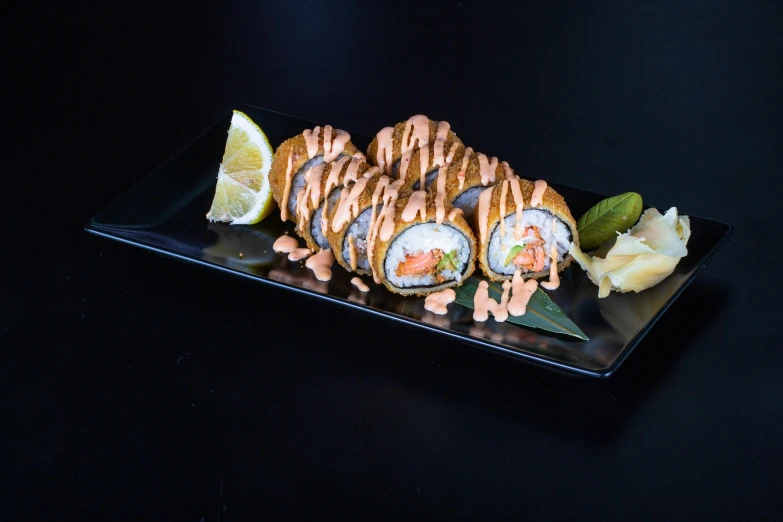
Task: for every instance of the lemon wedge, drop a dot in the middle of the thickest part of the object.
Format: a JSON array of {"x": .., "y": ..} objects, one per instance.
[{"x": 243, "y": 195}]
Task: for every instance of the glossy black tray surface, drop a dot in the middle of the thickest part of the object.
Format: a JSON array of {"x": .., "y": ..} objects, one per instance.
[{"x": 165, "y": 213}]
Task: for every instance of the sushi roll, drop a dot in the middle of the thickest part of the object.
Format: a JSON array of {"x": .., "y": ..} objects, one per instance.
[
  {"x": 469, "y": 175},
  {"x": 350, "y": 219},
  {"x": 321, "y": 194},
  {"x": 295, "y": 156},
  {"x": 525, "y": 227},
  {"x": 419, "y": 247},
  {"x": 390, "y": 144},
  {"x": 424, "y": 164}
]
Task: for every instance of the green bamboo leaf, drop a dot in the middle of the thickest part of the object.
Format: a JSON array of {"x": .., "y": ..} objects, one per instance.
[
  {"x": 542, "y": 313},
  {"x": 610, "y": 216}
]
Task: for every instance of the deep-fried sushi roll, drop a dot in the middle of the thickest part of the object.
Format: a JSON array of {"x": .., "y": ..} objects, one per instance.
[
  {"x": 295, "y": 156},
  {"x": 350, "y": 218},
  {"x": 390, "y": 144},
  {"x": 321, "y": 194},
  {"x": 469, "y": 175},
  {"x": 423, "y": 164},
  {"x": 523, "y": 226},
  {"x": 419, "y": 247}
]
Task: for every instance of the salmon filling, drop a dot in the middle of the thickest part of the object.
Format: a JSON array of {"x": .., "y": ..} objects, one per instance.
[
  {"x": 431, "y": 262},
  {"x": 531, "y": 255}
]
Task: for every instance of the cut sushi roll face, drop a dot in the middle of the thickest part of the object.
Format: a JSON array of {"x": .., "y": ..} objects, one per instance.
[
  {"x": 427, "y": 254},
  {"x": 531, "y": 252},
  {"x": 421, "y": 245},
  {"x": 523, "y": 228}
]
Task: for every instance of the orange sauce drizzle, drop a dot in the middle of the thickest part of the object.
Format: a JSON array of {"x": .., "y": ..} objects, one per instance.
[
  {"x": 299, "y": 253},
  {"x": 334, "y": 145},
  {"x": 313, "y": 190},
  {"x": 352, "y": 251},
  {"x": 483, "y": 305},
  {"x": 487, "y": 168},
  {"x": 519, "y": 201},
  {"x": 483, "y": 212},
  {"x": 311, "y": 140},
  {"x": 438, "y": 301},
  {"x": 454, "y": 213},
  {"x": 522, "y": 292},
  {"x": 358, "y": 283},
  {"x": 285, "y": 244},
  {"x": 554, "y": 278},
  {"x": 383, "y": 156},
  {"x": 538, "y": 193},
  {"x": 503, "y": 195},
  {"x": 349, "y": 204},
  {"x": 321, "y": 265},
  {"x": 287, "y": 189},
  {"x": 417, "y": 204},
  {"x": 464, "y": 168}
]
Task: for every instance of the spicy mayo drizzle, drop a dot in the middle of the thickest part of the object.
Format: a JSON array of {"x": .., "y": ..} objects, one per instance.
[
  {"x": 437, "y": 302},
  {"x": 321, "y": 265},
  {"x": 352, "y": 251},
  {"x": 487, "y": 169},
  {"x": 349, "y": 204},
  {"x": 483, "y": 212},
  {"x": 464, "y": 168},
  {"x": 287, "y": 189},
  {"x": 415, "y": 135},
  {"x": 285, "y": 244},
  {"x": 538, "y": 193},
  {"x": 503, "y": 195},
  {"x": 298, "y": 254},
  {"x": 358, "y": 283},
  {"x": 383, "y": 157},
  {"x": 454, "y": 213},
  {"x": 519, "y": 202},
  {"x": 334, "y": 145},
  {"x": 484, "y": 305},
  {"x": 554, "y": 278},
  {"x": 313, "y": 190},
  {"x": 440, "y": 196},
  {"x": 331, "y": 182},
  {"x": 417, "y": 131},
  {"x": 417, "y": 204},
  {"x": 522, "y": 292},
  {"x": 311, "y": 140}
]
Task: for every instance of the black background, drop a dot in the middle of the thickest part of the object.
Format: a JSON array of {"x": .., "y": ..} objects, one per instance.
[{"x": 136, "y": 387}]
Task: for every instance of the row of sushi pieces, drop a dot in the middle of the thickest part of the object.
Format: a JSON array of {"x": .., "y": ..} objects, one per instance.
[{"x": 420, "y": 210}]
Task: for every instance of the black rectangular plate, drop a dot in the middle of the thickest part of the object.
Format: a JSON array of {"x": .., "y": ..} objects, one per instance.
[{"x": 165, "y": 213}]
